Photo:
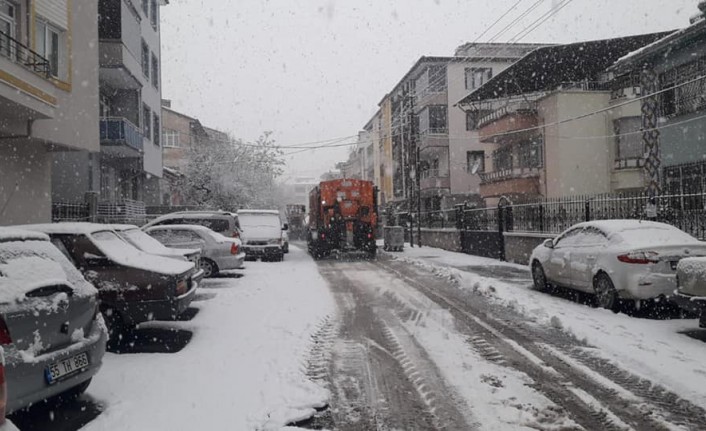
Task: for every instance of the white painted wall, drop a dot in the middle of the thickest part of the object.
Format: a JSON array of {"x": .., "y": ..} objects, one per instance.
[
  {"x": 75, "y": 124},
  {"x": 576, "y": 166},
  {"x": 25, "y": 183}
]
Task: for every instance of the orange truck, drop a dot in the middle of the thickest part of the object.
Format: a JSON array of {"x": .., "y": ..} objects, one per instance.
[{"x": 343, "y": 216}]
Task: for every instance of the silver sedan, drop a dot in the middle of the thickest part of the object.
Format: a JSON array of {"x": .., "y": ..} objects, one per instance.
[{"x": 219, "y": 252}]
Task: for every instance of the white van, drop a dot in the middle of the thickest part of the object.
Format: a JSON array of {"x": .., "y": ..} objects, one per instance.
[{"x": 263, "y": 234}]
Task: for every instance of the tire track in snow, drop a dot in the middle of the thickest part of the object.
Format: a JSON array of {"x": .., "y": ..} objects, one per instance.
[
  {"x": 558, "y": 380},
  {"x": 373, "y": 380}
]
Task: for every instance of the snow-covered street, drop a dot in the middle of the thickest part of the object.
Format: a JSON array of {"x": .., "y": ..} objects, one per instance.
[{"x": 423, "y": 339}]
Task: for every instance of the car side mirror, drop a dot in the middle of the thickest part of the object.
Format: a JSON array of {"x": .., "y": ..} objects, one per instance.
[
  {"x": 549, "y": 243},
  {"x": 285, "y": 227}
]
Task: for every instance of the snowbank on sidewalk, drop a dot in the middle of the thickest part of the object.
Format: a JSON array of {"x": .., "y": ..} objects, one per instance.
[{"x": 244, "y": 368}]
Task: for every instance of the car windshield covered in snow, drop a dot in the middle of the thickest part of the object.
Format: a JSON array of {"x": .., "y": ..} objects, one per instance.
[{"x": 353, "y": 215}]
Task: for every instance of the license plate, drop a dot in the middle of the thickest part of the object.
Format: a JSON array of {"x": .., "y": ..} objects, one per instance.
[{"x": 61, "y": 369}]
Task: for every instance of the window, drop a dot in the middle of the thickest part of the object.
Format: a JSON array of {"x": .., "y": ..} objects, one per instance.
[
  {"x": 47, "y": 45},
  {"x": 477, "y": 76},
  {"x": 170, "y": 138},
  {"x": 437, "y": 119},
  {"x": 146, "y": 122},
  {"x": 155, "y": 130},
  {"x": 155, "y": 71},
  {"x": 153, "y": 13},
  {"x": 437, "y": 79},
  {"x": 473, "y": 118},
  {"x": 145, "y": 59},
  {"x": 7, "y": 25},
  {"x": 145, "y": 7},
  {"x": 502, "y": 159},
  {"x": 628, "y": 145},
  {"x": 475, "y": 161},
  {"x": 530, "y": 154}
]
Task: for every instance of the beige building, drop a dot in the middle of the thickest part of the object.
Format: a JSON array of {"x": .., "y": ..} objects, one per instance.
[
  {"x": 48, "y": 99},
  {"x": 558, "y": 136}
]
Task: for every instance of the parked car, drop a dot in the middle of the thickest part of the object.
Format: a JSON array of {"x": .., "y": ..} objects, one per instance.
[
  {"x": 5, "y": 424},
  {"x": 223, "y": 222},
  {"x": 219, "y": 253},
  {"x": 629, "y": 260},
  {"x": 52, "y": 334},
  {"x": 263, "y": 234},
  {"x": 134, "y": 286},
  {"x": 139, "y": 239},
  {"x": 691, "y": 287}
]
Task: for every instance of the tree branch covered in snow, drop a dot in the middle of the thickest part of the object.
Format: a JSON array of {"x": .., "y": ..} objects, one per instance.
[{"x": 231, "y": 174}]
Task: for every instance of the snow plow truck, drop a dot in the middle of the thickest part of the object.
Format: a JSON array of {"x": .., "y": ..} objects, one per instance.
[{"x": 343, "y": 216}]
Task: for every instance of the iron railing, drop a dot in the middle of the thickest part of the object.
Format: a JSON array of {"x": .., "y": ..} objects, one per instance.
[
  {"x": 70, "y": 211},
  {"x": 506, "y": 174},
  {"x": 17, "y": 52},
  {"x": 118, "y": 129}
]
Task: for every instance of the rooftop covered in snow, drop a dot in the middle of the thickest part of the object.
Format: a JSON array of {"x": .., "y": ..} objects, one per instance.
[
  {"x": 663, "y": 48},
  {"x": 546, "y": 68}
]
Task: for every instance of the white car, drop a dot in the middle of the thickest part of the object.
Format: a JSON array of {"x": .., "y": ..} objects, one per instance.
[
  {"x": 615, "y": 259},
  {"x": 263, "y": 234},
  {"x": 219, "y": 253}
]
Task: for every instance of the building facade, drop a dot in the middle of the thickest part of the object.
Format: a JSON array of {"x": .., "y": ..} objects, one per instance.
[
  {"x": 673, "y": 68},
  {"x": 129, "y": 165},
  {"x": 48, "y": 100},
  {"x": 553, "y": 134}
]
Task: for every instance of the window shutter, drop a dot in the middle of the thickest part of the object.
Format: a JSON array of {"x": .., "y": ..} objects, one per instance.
[{"x": 54, "y": 11}]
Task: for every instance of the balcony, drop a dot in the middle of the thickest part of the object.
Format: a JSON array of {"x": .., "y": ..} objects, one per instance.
[
  {"x": 498, "y": 127},
  {"x": 26, "y": 90},
  {"x": 118, "y": 67},
  {"x": 429, "y": 140},
  {"x": 509, "y": 182},
  {"x": 120, "y": 138},
  {"x": 432, "y": 179}
]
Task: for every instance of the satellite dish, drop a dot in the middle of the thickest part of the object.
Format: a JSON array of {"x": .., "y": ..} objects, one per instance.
[{"x": 475, "y": 167}]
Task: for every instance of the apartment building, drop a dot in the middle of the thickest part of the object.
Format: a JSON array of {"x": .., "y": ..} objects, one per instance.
[
  {"x": 423, "y": 117},
  {"x": 128, "y": 167},
  {"x": 361, "y": 161},
  {"x": 674, "y": 66},
  {"x": 48, "y": 100},
  {"x": 551, "y": 134}
]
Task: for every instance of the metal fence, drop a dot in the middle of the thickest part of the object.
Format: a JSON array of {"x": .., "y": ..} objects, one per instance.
[
  {"x": 685, "y": 211},
  {"x": 70, "y": 211}
]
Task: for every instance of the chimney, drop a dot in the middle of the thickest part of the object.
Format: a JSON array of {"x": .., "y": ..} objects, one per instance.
[{"x": 167, "y": 103}]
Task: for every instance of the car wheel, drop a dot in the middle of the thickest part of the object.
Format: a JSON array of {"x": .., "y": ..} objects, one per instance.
[
  {"x": 702, "y": 319},
  {"x": 209, "y": 268},
  {"x": 606, "y": 295},
  {"x": 539, "y": 278},
  {"x": 286, "y": 247}
]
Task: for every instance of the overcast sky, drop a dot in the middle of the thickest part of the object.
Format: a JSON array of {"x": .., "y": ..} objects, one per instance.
[{"x": 313, "y": 70}]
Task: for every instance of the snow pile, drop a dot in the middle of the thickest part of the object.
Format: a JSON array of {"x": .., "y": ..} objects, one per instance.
[
  {"x": 652, "y": 349},
  {"x": 692, "y": 273},
  {"x": 245, "y": 366}
]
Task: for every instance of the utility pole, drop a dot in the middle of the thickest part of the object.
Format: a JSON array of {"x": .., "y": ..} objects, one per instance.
[
  {"x": 415, "y": 186},
  {"x": 406, "y": 135}
]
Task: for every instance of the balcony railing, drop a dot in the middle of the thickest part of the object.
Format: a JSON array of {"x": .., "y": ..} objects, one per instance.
[
  {"x": 508, "y": 174},
  {"x": 523, "y": 107},
  {"x": 435, "y": 131},
  {"x": 15, "y": 51},
  {"x": 120, "y": 130}
]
